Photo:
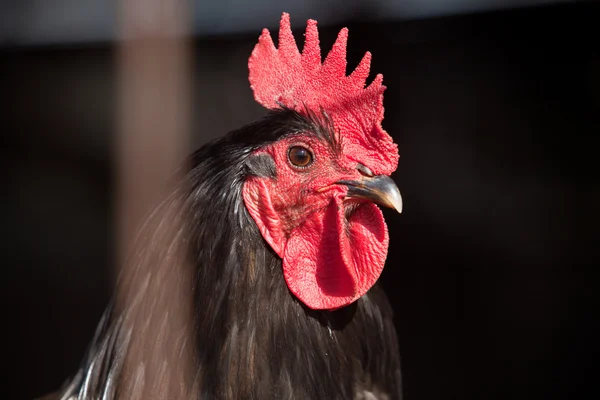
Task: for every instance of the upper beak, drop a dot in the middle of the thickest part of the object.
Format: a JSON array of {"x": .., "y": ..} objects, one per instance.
[{"x": 379, "y": 189}]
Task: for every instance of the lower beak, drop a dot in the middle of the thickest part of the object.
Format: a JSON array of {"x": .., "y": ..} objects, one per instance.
[{"x": 379, "y": 189}]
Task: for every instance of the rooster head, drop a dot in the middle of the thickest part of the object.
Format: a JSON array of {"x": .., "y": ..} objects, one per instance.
[{"x": 318, "y": 208}]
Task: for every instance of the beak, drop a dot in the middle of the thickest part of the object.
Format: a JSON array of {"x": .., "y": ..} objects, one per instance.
[{"x": 379, "y": 189}]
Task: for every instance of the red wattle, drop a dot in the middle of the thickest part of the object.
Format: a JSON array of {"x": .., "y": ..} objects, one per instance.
[{"x": 330, "y": 262}]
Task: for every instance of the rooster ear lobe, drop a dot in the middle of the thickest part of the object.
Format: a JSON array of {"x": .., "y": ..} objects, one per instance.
[
  {"x": 257, "y": 198},
  {"x": 261, "y": 165}
]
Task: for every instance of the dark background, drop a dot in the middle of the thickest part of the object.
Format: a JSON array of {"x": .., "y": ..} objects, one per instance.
[{"x": 491, "y": 265}]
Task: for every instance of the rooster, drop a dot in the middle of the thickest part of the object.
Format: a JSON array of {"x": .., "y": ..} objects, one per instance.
[{"x": 280, "y": 223}]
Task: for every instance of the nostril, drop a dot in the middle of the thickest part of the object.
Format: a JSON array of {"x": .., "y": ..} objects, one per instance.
[{"x": 364, "y": 170}]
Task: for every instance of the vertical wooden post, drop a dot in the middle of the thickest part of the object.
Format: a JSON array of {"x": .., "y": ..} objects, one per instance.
[{"x": 154, "y": 292}]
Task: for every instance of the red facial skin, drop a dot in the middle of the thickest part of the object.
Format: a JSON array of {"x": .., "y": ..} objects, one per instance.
[{"x": 333, "y": 248}]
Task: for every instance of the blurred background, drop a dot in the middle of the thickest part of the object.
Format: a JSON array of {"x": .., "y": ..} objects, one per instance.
[{"x": 496, "y": 110}]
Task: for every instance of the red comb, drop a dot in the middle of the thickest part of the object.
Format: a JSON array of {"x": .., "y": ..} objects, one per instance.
[{"x": 284, "y": 76}]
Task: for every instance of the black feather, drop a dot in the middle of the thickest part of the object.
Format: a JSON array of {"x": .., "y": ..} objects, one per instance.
[
  {"x": 253, "y": 338},
  {"x": 261, "y": 165}
]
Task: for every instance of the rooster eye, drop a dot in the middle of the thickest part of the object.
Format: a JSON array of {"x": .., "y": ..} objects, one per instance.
[{"x": 300, "y": 156}]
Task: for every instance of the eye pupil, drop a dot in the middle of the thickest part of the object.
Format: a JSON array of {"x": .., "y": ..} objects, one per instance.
[{"x": 300, "y": 156}]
